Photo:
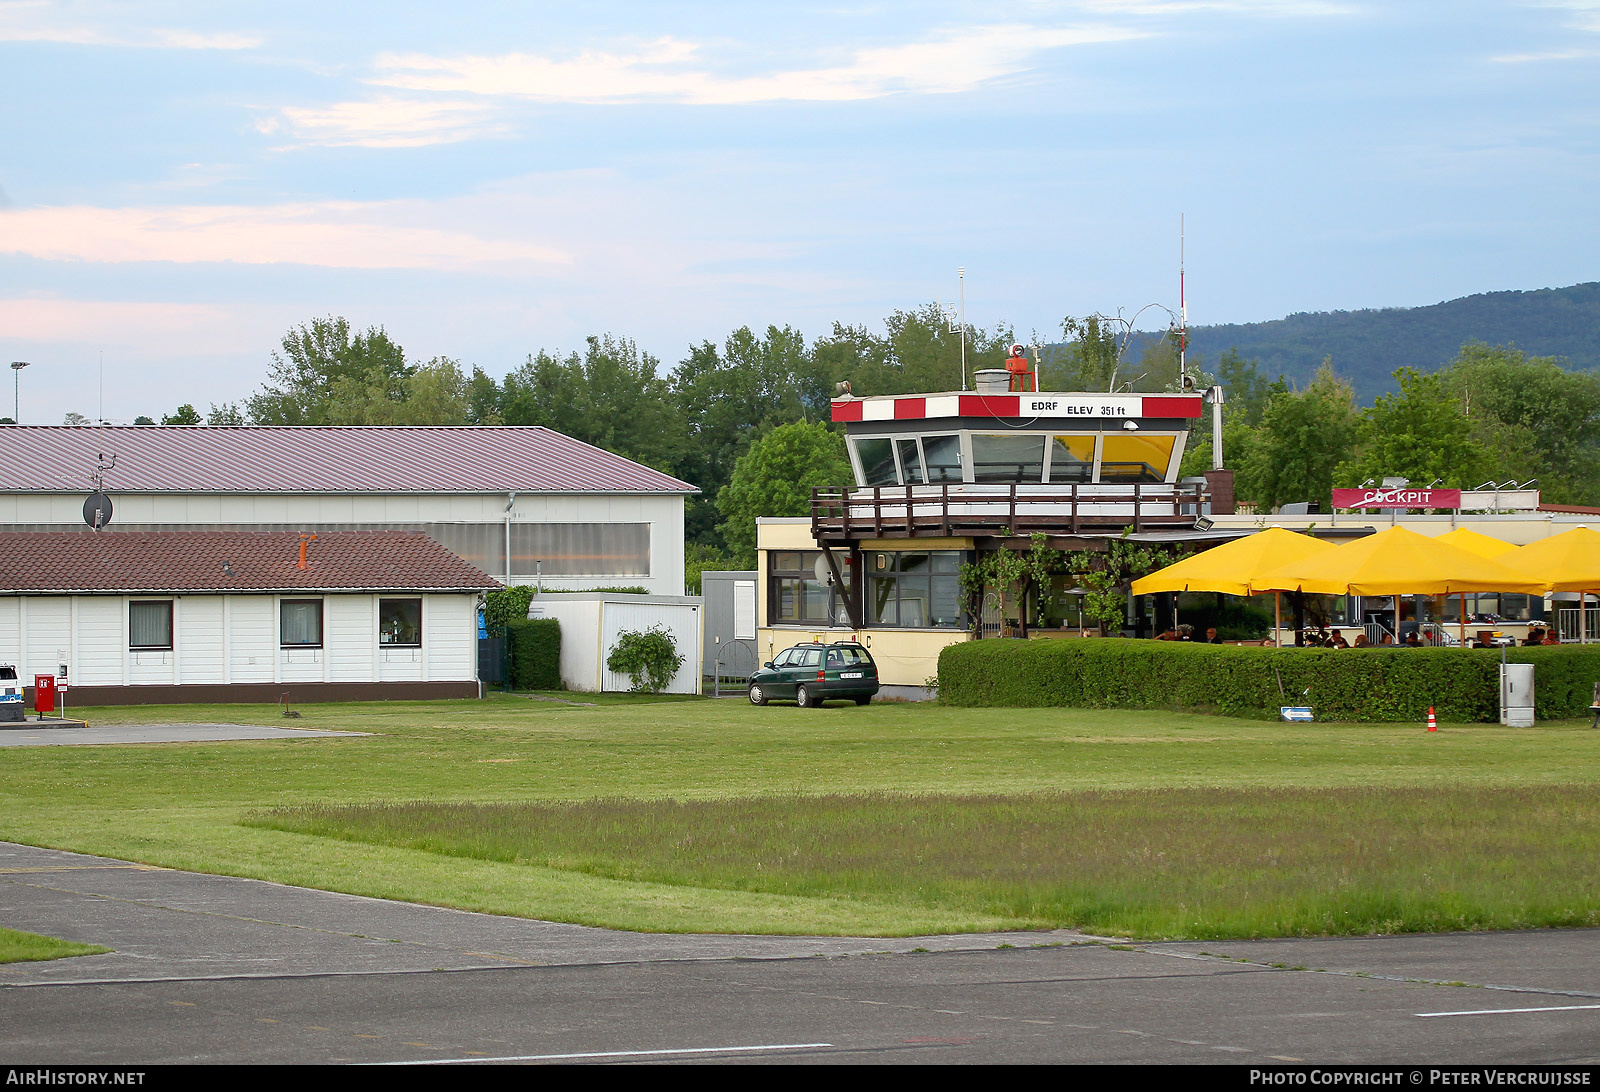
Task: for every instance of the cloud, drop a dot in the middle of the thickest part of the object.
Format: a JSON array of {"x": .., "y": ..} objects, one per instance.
[
  {"x": 1553, "y": 55},
  {"x": 670, "y": 70},
  {"x": 52, "y": 319},
  {"x": 39, "y": 21},
  {"x": 1281, "y": 9},
  {"x": 346, "y": 235},
  {"x": 387, "y": 123}
]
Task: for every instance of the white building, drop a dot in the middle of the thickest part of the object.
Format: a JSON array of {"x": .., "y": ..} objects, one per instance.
[
  {"x": 175, "y": 616},
  {"x": 523, "y": 504}
]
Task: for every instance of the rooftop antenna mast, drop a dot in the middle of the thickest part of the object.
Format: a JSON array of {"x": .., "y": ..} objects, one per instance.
[
  {"x": 961, "y": 275},
  {"x": 1183, "y": 313}
]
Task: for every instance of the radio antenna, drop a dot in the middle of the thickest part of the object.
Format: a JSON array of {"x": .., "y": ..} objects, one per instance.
[{"x": 1183, "y": 312}]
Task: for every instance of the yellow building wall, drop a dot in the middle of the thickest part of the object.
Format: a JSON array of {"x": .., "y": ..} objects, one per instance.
[
  {"x": 1519, "y": 530},
  {"x": 905, "y": 657}
]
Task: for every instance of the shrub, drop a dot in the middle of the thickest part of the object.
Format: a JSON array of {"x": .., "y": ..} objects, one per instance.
[
  {"x": 650, "y": 658},
  {"x": 1347, "y": 684},
  {"x": 507, "y": 605},
  {"x": 534, "y": 655}
]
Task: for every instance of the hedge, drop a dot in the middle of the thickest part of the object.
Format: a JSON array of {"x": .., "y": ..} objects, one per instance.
[
  {"x": 1347, "y": 684},
  {"x": 534, "y": 654}
]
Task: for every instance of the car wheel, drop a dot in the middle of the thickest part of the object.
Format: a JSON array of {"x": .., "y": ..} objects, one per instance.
[
  {"x": 758, "y": 696},
  {"x": 805, "y": 699},
  {"x": 864, "y": 700}
]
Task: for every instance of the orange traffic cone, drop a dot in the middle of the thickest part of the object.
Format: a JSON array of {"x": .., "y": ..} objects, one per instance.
[{"x": 1433, "y": 724}]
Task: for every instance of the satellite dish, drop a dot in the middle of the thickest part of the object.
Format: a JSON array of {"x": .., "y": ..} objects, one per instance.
[
  {"x": 824, "y": 574},
  {"x": 97, "y": 510}
]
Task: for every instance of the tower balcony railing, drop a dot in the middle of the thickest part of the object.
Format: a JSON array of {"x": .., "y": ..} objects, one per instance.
[{"x": 957, "y": 509}]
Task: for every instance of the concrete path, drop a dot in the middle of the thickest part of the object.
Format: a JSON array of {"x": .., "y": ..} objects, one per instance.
[
  {"x": 168, "y": 924},
  {"x": 214, "y": 969},
  {"x": 45, "y": 734}
]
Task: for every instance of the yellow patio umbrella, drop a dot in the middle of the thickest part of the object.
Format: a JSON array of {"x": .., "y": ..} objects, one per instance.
[
  {"x": 1568, "y": 562},
  {"x": 1232, "y": 567},
  {"x": 1476, "y": 543},
  {"x": 1397, "y": 561},
  {"x": 1479, "y": 544}
]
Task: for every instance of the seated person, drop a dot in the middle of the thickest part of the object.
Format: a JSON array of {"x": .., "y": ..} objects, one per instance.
[
  {"x": 1551, "y": 637},
  {"x": 1211, "y": 636},
  {"x": 1361, "y": 641},
  {"x": 1535, "y": 636},
  {"x": 1168, "y": 635},
  {"x": 1337, "y": 640},
  {"x": 1414, "y": 640}
]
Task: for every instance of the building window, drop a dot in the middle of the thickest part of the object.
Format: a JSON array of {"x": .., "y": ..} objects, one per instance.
[
  {"x": 400, "y": 623},
  {"x": 915, "y": 590},
  {"x": 1015, "y": 458},
  {"x": 1135, "y": 458},
  {"x": 150, "y": 625},
  {"x": 795, "y": 596},
  {"x": 300, "y": 623},
  {"x": 876, "y": 456}
]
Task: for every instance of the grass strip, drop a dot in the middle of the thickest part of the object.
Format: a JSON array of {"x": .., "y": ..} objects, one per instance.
[
  {"x": 1197, "y": 863},
  {"x": 20, "y": 947}
]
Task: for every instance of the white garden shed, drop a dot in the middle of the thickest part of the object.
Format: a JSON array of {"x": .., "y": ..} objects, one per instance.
[{"x": 591, "y": 622}]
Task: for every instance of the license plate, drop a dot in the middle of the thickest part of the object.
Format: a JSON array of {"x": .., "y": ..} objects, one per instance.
[{"x": 849, "y": 674}]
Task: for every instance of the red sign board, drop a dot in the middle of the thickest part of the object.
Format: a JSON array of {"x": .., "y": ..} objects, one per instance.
[{"x": 1397, "y": 498}]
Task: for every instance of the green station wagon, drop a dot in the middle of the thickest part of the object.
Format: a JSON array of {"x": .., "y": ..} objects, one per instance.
[{"x": 812, "y": 674}]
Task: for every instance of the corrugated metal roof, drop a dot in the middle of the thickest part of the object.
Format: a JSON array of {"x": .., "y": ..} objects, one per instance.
[
  {"x": 274, "y": 459},
  {"x": 170, "y": 562}
]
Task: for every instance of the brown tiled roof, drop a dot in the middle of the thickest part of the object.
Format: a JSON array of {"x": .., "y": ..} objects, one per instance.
[
  {"x": 139, "y": 562},
  {"x": 273, "y": 459}
]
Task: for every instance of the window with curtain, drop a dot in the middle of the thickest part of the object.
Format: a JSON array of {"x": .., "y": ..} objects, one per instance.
[
  {"x": 300, "y": 623},
  {"x": 150, "y": 625}
]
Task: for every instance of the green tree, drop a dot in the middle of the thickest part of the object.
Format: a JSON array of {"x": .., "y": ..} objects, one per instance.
[
  {"x": 1533, "y": 418},
  {"x": 1246, "y": 395},
  {"x": 226, "y": 414},
  {"x": 320, "y": 365},
  {"x": 612, "y": 397},
  {"x": 775, "y": 478},
  {"x": 1420, "y": 434},
  {"x": 1088, "y": 359},
  {"x": 139, "y": 420},
  {"x": 183, "y": 415},
  {"x": 1303, "y": 437},
  {"x": 920, "y": 353},
  {"x": 433, "y": 394},
  {"x": 729, "y": 395}
]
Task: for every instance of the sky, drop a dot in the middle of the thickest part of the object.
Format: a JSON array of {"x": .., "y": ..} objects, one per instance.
[{"x": 182, "y": 183}]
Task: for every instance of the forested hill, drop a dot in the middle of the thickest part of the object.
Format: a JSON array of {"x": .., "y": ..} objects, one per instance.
[{"x": 1367, "y": 346}]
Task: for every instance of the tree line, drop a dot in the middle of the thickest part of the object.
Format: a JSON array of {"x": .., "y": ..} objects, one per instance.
[{"x": 747, "y": 420}]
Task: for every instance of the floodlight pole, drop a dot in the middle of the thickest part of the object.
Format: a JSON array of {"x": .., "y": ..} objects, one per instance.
[{"x": 16, "y": 389}]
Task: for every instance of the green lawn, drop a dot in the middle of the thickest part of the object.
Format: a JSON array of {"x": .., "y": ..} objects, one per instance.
[
  {"x": 18, "y": 947},
  {"x": 193, "y": 805}
]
